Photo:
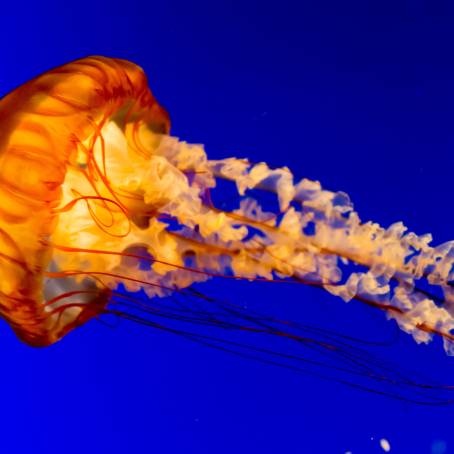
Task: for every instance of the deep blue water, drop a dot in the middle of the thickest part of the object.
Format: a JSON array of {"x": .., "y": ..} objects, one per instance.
[{"x": 359, "y": 95}]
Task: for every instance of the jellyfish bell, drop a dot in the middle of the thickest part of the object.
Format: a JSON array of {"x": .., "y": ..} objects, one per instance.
[
  {"x": 94, "y": 193},
  {"x": 48, "y": 129}
]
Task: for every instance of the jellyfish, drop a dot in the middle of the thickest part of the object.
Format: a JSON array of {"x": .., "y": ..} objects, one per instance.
[{"x": 102, "y": 211}]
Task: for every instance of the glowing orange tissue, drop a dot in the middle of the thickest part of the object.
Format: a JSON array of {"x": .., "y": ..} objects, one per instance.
[{"x": 94, "y": 192}]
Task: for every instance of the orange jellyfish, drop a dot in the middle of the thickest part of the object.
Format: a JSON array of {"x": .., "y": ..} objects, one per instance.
[{"x": 94, "y": 193}]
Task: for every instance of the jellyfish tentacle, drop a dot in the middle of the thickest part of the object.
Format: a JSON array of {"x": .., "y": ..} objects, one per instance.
[{"x": 218, "y": 238}]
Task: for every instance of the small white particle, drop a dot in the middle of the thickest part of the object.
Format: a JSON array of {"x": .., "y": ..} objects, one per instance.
[{"x": 384, "y": 443}]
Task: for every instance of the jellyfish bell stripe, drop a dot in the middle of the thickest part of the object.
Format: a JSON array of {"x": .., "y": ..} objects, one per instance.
[{"x": 88, "y": 173}]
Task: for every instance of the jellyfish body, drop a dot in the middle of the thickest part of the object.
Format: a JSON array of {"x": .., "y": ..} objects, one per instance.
[
  {"x": 44, "y": 124},
  {"x": 94, "y": 192}
]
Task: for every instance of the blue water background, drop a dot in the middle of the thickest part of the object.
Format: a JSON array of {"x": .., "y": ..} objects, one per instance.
[{"x": 359, "y": 95}]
